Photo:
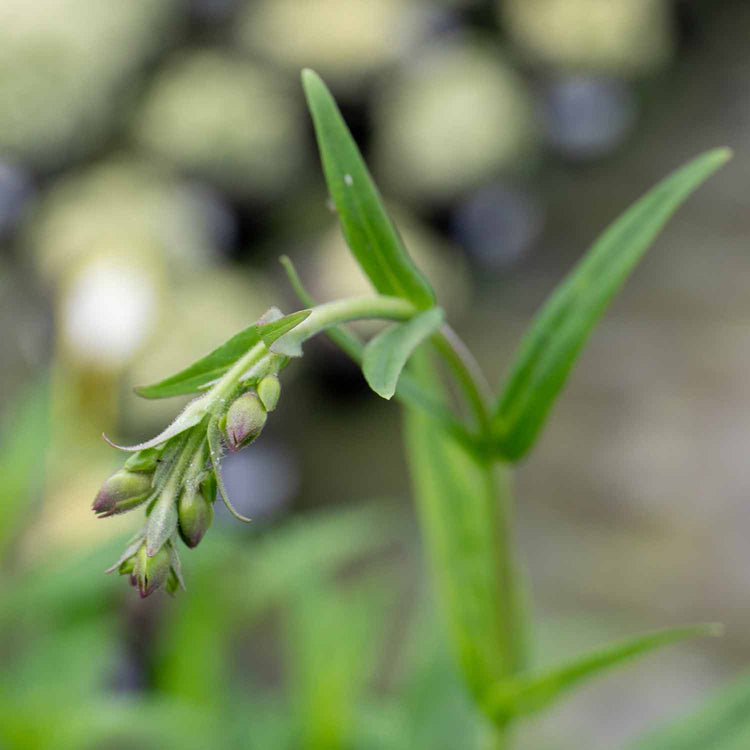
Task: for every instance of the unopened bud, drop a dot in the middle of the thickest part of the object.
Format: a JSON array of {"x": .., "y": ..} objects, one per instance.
[
  {"x": 122, "y": 491},
  {"x": 243, "y": 421},
  {"x": 269, "y": 390},
  {"x": 194, "y": 514},
  {"x": 149, "y": 573},
  {"x": 208, "y": 487}
]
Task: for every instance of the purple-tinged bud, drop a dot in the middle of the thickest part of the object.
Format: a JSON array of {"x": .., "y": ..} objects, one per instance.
[
  {"x": 149, "y": 573},
  {"x": 194, "y": 514},
  {"x": 269, "y": 390},
  {"x": 122, "y": 491},
  {"x": 243, "y": 421}
]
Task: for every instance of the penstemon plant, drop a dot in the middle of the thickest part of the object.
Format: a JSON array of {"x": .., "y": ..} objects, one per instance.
[{"x": 459, "y": 455}]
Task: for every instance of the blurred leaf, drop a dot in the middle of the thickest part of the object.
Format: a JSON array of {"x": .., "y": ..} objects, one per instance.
[
  {"x": 23, "y": 445},
  {"x": 369, "y": 231},
  {"x": 233, "y": 581},
  {"x": 560, "y": 329},
  {"x": 462, "y": 506},
  {"x": 215, "y": 364},
  {"x": 723, "y": 723},
  {"x": 524, "y": 694},
  {"x": 334, "y": 634},
  {"x": 386, "y": 355}
]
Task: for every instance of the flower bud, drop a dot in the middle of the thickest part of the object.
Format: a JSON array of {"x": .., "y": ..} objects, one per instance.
[
  {"x": 194, "y": 514},
  {"x": 269, "y": 390},
  {"x": 208, "y": 487},
  {"x": 243, "y": 421},
  {"x": 149, "y": 573},
  {"x": 122, "y": 491}
]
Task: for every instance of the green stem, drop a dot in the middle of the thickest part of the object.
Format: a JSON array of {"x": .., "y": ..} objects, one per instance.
[
  {"x": 341, "y": 311},
  {"x": 468, "y": 375},
  {"x": 189, "y": 449},
  {"x": 499, "y": 739}
]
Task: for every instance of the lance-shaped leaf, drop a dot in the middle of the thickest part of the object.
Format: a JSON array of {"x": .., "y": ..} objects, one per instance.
[
  {"x": 387, "y": 353},
  {"x": 722, "y": 724},
  {"x": 525, "y": 694},
  {"x": 369, "y": 232},
  {"x": 560, "y": 329},
  {"x": 215, "y": 364}
]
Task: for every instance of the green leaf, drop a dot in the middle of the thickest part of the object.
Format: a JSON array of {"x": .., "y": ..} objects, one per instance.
[
  {"x": 386, "y": 355},
  {"x": 214, "y": 365},
  {"x": 561, "y": 328},
  {"x": 524, "y": 694},
  {"x": 368, "y": 230},
  {"x": 722, "y": 724},
  {"x": 270, "y": 332}
]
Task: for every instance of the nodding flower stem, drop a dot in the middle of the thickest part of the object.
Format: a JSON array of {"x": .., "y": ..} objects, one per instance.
[{"x": 260, "y": 358}]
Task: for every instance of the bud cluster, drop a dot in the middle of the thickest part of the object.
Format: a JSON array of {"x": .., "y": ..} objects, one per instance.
[{"x": 177, "y": 480}]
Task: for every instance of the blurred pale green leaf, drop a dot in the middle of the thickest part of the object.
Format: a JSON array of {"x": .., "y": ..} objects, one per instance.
[
  {"x": 369, "y": 232},
  {"x": 723, "y": 723},
  {"x": 386, "y": 355},
  {"x": 23, "y": 442},
  {"x": 524, "y": 694},
  {"x": 550, "y": 348}
]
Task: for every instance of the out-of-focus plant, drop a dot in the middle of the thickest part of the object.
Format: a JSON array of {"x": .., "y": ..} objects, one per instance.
[{"x": 461, "y": 438}]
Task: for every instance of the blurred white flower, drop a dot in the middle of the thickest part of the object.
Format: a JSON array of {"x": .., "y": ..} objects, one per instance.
[{"x": 106, "y": 312}]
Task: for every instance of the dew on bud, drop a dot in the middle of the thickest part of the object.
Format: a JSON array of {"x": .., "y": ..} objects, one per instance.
[{"x": 243, "y": 421}]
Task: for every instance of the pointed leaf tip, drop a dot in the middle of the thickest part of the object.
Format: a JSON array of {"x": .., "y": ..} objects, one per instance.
[
  {"x": 387, "y": 353},
  {"x": 366, "y": 225},
  {"x": 527, "y": 693},
  {"x": 560, "y": 329}
]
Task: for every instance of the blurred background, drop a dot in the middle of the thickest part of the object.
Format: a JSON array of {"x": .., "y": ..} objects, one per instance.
[{"x": 155, "y": 160}]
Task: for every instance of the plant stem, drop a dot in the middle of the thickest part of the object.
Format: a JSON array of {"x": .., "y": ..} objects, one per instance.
[
  {"x": 499, "y": 739},
  {"x": 331, "y": 313},
  {"x": 468, "y": 374}
]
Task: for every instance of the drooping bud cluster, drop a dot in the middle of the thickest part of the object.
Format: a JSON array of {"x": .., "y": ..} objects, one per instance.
[{"x": 176, "y": 476}]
